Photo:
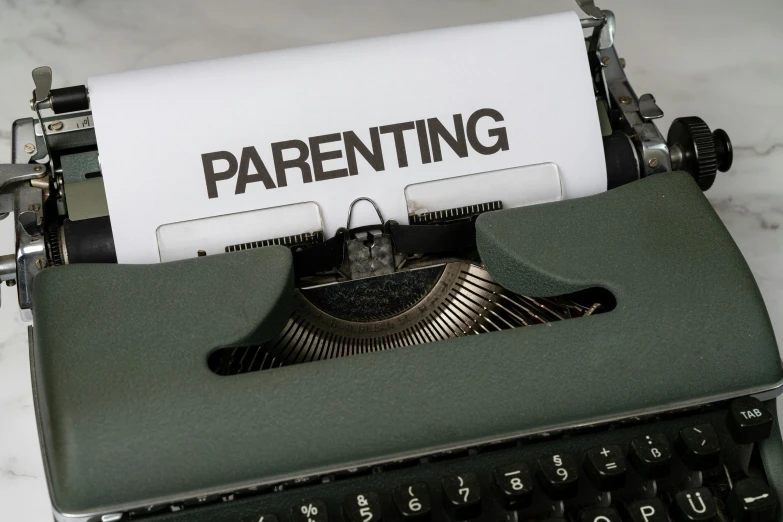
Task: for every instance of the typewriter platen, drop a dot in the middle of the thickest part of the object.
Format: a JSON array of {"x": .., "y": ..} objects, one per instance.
[{"x": 644, "y": 393}]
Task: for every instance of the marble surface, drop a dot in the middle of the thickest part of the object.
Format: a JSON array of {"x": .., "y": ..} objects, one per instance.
[{"x": 720, "y": 61}]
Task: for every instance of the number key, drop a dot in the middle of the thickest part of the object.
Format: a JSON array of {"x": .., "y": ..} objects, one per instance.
[
  {"x": 514, "y": 483},
  {"x": 559, "y": 475},
  {"x": 462, "y": 496},
  {"x": 413, "y": 501},
  {"x": 311, "y": 511},
  {"x": 362, "y": 507}
]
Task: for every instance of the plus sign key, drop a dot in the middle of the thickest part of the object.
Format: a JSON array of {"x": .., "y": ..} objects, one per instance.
[{"x": 605, "y": 466}]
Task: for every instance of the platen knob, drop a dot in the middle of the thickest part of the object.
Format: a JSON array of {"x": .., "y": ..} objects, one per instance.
[{"x": 698, "y": 151}]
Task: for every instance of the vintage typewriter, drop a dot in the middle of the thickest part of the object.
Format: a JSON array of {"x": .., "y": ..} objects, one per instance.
[{"x": 596, "y": 360}]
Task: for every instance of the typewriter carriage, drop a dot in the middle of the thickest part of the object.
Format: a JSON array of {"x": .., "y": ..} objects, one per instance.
[{"x": 54, "y": 179}]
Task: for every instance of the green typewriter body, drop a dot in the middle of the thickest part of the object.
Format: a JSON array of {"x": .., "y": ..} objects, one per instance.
[{"x": 632, "y": 412}]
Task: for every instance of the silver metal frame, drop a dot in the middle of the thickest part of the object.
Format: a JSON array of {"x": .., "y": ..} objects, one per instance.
[
  {"x": 72, "y": 123},
  {"x": 31, "y": 255},
  {"x": 27, "y": 205},
  {"x": 638, "y": 114}
]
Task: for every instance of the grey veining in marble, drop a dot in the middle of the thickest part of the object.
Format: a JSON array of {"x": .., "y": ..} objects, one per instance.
[{"x": 717, "y": 60}]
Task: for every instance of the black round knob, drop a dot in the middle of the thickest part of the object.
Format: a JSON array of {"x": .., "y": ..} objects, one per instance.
[
  {"x": 698, "y": 151},
  {"x": 723, "y": 149}
]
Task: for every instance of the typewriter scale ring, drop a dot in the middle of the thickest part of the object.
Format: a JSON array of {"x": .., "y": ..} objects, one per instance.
[{"x": 452, "y": 300}]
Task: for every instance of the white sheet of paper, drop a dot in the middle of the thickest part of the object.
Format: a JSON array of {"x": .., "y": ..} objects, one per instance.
[{"x": 153, "y": 126}]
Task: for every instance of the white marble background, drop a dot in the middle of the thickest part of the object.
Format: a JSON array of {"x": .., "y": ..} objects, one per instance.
[{"x": 719, "y": 60}]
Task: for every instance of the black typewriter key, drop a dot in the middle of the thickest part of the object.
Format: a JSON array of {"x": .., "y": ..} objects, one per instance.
[
  {"x": 599, "y": 515},
  {"x": 310, "y": 511},
  {"x": 651, "y": 455},
  {"x": 559, "y": 475},
  {"x": 462, "y": 496},
  {"x": 413, "y": 501},
  {"x": 699, "y": 446},
  {"x": 362, "y": 507},
  {"x": 749, "y": 420},
  {"x": 752, "y": 500},
  {"x": 605, "y": 466},
  {"x": 514, "y": 484},
  {"x": 647, "y": 510},
  {"x": 694, "y": 505},
  {"x": 261, "y": 518},
  {"x": 147, "y": 510}
]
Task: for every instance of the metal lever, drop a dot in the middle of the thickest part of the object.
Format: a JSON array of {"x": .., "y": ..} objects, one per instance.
[
  {"x": 16, "y": 172},
  {"x": 648, "y": 109},
  {"x": 42, "y": 78},
  {"x": 598, "y": 21},
  {"x": 590, "y": 9},
  {"x": 354, "y": 202},
  {"x": 606, "y": 40}
]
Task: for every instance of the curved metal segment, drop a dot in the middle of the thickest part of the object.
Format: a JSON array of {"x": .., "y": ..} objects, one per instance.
[
  {"x": 16, "y": 173},
  {"x": 465, "y": 300}
]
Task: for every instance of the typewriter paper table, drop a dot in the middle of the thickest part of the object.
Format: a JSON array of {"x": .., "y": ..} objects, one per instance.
[{"x": 737, "y": 89}]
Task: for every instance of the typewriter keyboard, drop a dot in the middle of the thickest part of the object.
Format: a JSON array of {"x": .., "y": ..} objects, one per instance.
[{"x": 697, "y": 466}]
